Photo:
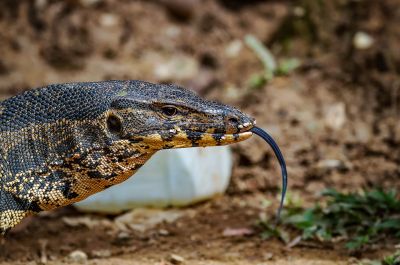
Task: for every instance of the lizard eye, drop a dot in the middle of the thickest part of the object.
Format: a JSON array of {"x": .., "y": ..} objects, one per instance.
[
  {"x": 114, "y": 124},
  {"x": 169, "y": 110}
]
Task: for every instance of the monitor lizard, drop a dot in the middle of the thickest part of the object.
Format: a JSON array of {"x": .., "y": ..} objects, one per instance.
[{"x": 63, "y": 142}]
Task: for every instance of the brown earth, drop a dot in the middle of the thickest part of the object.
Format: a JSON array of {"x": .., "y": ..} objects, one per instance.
[{"x": 335, "y": 119}]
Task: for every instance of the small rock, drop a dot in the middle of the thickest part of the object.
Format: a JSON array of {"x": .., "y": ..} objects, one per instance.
[
  {"x": 40, "y": 4},
  {"x": 362, "y": 40},
  {"x": 233, "y": 49},
  {"x": 173, "y": 31},
  {"x": 328, "y": 164},
  {"x": 109, "y": 20},
  {"x": 176, "y": 259},
  {"x": 123, "y": 235},
  {"x": 163, "y": 232},
  {"x": 335, "y": 116},
  {"x": 78, "y": 256},
  {"x": 268, "y": 256},
  {"x": 299, "y": 11},
  {"x": 102, "y": 253},
  {"x": 229, "y": 232}
]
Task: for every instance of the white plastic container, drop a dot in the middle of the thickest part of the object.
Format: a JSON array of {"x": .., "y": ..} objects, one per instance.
[{"x": 170, "y": 178}]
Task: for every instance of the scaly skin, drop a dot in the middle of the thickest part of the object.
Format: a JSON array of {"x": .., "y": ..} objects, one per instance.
[{"x": 61, "y": 143}]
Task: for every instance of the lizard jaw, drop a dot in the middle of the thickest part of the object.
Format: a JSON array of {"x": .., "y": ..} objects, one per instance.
[
  {"x": 214, "y": 139},
  {"x": 182, "y": 139}
]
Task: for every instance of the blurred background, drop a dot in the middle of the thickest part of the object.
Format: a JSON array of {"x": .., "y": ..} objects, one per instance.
[{"x": 321, "y": 76}]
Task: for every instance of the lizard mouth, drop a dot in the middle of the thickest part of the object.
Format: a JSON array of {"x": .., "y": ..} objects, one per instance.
[
  {"x": 215, "y": 139},
  {"x": 178, "y": 138}
]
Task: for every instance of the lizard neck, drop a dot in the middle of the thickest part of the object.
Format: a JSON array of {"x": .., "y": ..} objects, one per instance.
[
  {"x": 86, "y": 161},
  {"x": 98, "y": 169}
]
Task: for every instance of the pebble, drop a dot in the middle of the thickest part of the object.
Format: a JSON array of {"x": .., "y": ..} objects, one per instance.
[
  {"x": 268, "y": 256},
  {"x": 78, "y": 256},
  {"x": 123, "y": 235},
  {"x": 335, "y": 116},
  {"x": 330, "y": 164},
  {"x": 233, "y": 49},
  {"x": 299, "y": 11},
  {"x": 40, "y": 4},
  {"x": 176, "y": 259},
  {"x": 109, "y": 20},
  {"x": 163, "y": 232},
  {"x": 362, "y": 40},
  {"x": 102, "y": 253}
]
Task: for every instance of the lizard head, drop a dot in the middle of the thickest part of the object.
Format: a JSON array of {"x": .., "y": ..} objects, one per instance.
[{"x": 168, "y": 116}]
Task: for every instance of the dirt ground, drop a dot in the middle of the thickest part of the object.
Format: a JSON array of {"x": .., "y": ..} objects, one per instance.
[{"x": 336, "y": 120}]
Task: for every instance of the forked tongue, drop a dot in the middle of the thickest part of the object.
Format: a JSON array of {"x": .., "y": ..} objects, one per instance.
[{"x": 263, "y": 134}]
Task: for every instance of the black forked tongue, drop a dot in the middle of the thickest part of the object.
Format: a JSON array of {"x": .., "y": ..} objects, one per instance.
[{"x": 263, "y": 134}]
